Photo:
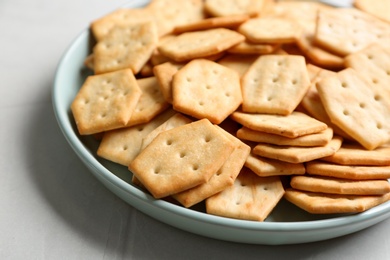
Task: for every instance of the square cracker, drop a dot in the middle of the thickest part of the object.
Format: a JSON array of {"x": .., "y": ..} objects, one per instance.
[
  {"x": 294, "y": 125},
  {"x": 251, "y": 197},
  {"x": 355, "y": 154},
  {"x": 164, "y": 74},
  {"x": 353, "y": 172},
  {"x": 176, "y": 120},
  {"x": 205, "y": 89},
  {"x": 222, "y": 179},
  {"x": 316, "y": 139},
  {"x": 275, "y": 84},
  {"x": 150, "y": 104},
  {"x": 269, "y": 167},
  {"x": 233, "y": 7},
  {"x": 199, "y": 44},
  {"x": 123, "y": 145},
  {"x": 171, "y": 13},
  {"x": 105, "y": 102},
  {"x": 319, "y": 203},
  {"x": 231, "y": 21},
  {"x": 372, "y": 63},
  {"x": 123, "y": 16},
  {"x": 356, "y": 108},
  {"x": 331, "y": 185},
  {"x": 181, "y": 158},
  {"x": 270, "y": 30},
  {"x": 126, "y": 46},
  {"x": 346, "y": 30},
  {"x": 295, "y": 154}
]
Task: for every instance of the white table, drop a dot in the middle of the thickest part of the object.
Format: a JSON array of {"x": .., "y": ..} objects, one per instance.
[{"x": 51, "y": 207}]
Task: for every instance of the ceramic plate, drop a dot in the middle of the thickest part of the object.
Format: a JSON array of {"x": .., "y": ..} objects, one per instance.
[{"x": 286, "y": 225}]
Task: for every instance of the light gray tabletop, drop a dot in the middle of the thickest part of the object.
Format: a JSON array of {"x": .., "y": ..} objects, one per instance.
[{"x": 51, "y": 207}]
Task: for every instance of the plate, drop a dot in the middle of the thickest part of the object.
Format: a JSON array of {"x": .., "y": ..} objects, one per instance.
[{"x": 286, "y": 225}]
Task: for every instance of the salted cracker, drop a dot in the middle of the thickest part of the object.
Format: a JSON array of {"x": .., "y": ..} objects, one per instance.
[
  {"x": 356, "y": 108},
  {"x": 122, "y": 16},
  {"x": 249, "y": 48},
  {"x": 275, "y": 84},
  {"x": 331, "y": 185},
  {"x": 233, "y": 7},
  {"x": 176, "y": 120},
  {"x": 251, "y": 197},
  {"x": 222, "y": 179},
  {"x": 270, "y": 30},
  {"x": 123, "y": 145},
  {"x": 316, "y": 139},
  {"x": 353, "y": 172},
  {"x": 230, "y": 21},
  {"x": 168, "y": 14},
  {"x": 150, "y": 104},
  {"x": 319, "y": 203},
  {"x": 205, "y": 89},
  {"x": 270, "y": 167},
  {"x": 355, "y": 154},
  {"x": 199, "y": 44},
  {"x": 346, "y": 30},
  {"x": 126, "y": 46},
  {"x": 296, "y": 154},
  {"x": 373, "y": 64},
  {"x": 377, "y": 8},
  {"x": 294, "y": 125},
  {"x": 164, "y": 74},
  {"x": 238, "y": 63},
  {"x": 105, "y": 102},
  {"x": 181, "y": 158}
]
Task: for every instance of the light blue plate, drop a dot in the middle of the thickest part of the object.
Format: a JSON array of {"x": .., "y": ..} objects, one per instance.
[{"x": 286, "y": 225}]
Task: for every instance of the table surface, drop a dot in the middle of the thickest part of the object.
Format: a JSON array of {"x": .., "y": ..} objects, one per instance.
[{"x": 51, "y": 206}]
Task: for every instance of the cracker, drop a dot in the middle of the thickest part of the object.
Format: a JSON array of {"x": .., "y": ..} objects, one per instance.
[
  {"x": 352, "y": 172},
  {"x": 275, "y": 84},
  {"x": 231, "y": 22},
  {"x": 347, "y": 30},
  {"x": 238, "y": 63},
  {"x": 340, "y": 186},
  {"x": 319, "y": 203},
  {"x": 269, "y": 167},
  {"x": 123, "y": 145},
  {"x": 354, "y": 107},
  {"x": 253, "y": 48},
  {"x": 355, "y": 154},
  {"x": 317, "y": 139},
  {"x": 373, "y": 63},
  {"x": 199, "y": 44},
  {"x": 105, "y": 102},
  {"x": 295, "y": 154},
  {"x": 378, "y": 8},
  {"x": 123, "y": 16},
  {"x": 294, "y": 125},
  {"x": 205, "y": 89},
  {"x": 174, "y": 121},
  {"x": 222, "y": 179},
  {"x": 270, "y": 30},
  {"x": 150, "y": 104},
  {"x": 171, "y": 13},
  {"x": 126, "y": 46},
  {"x": 233, "y": 7},
  {"x": 251, "y": 197},
  {"x": 164, "y": 74},
  {"x": 181, "y": 158}
]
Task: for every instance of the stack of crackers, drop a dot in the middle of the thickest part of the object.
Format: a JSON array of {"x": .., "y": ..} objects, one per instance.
[{"x": 240, "y": 104}]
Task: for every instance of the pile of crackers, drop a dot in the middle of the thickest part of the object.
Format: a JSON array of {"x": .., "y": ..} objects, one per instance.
[{"x": 240, "y": 104}]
